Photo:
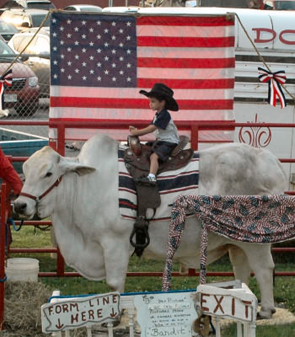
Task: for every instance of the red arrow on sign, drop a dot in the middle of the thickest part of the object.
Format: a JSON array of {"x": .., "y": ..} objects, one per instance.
[
  {"x": 113, "y": 313},
  {"x": 59, "y": 326}
]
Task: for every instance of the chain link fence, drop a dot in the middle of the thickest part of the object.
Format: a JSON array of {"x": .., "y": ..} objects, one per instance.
[{"x": 26, "y": 94}]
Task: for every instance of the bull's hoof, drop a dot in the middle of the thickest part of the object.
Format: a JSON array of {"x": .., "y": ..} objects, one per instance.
[{"x": 265, "y": 314}]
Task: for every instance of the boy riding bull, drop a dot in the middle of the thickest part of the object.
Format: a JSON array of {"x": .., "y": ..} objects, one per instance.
[{"x": 161, "y": 100}]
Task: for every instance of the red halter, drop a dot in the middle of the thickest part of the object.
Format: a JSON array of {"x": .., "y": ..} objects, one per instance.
[{"x": 37, "y": 199}]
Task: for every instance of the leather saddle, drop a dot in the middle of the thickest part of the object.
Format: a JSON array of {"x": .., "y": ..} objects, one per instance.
[
  {"x": 137, "y": 161},
  {"x": 137, "y": 157}
]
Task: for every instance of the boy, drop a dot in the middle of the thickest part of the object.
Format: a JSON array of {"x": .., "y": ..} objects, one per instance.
[{"x": 161, "y": 100}]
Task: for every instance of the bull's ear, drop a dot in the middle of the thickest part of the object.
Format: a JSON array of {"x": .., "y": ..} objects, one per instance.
[
  {"x": 82, "y": 170},
  {"x": 73, "y": 166}
]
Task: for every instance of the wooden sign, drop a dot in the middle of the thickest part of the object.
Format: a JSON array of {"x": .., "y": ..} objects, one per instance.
[
  {"x": 238, "y": 303},
  {"x": 72, "y": 312},
  {"x": 165, "y": 314}
]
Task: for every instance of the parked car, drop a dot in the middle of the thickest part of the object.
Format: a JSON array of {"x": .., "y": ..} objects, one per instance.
[
  {"x": 7, "y": 30},
  {"x": 38, "y": 53},
  {"x": 39, "y": 4},
  {"x": 23, "y": 94},
  {"x": 278, "y": 5},
  {"x": 26, "y": 18},
  {"x": 83, "y": 8}
]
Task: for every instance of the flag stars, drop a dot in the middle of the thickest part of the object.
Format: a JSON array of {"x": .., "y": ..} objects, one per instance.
[
  {"x": 61, "y": 28},
  {"x": 98, "y": 37},
  {"x": 69, "y": 22},
  {"x": 91, "y": 71},
  {"x": 98, "y": 65},
  {"x": 91, "y": 30},
  {"x": 106, "y": 31},
  {"x": 128, "y": 38},
  {"x": 62, "y": 70},
  {"x": 62, "y": 56},
  {"x": 98, "y": 22},
  {"x": 114, "y": 65},
  {"x": 99, "y": 78},
  {"x": 84, "y": 64},
  {"x": 55, "y": 48},
  {"x": 113, "y": 37},
  {"x": 62, "y": 42},
  {"x": 76, "y": 29},
  {"x": 83, "y": 22},
  {"x": 113, "y": 23},
  {"x": 98, "y": 50},
  {"x": 128, "y": 65},
  {"x": 106, "y": 72},
  {"x": 84, "y": 36},
  {"x": 77, "y": 71},
  {"x": 55, "y": 76},
  {"x": 69, "y": 63},
  {"x": 69, "y": 49},
  {"x": 128, "y": 51},
  {"x": 76, "y": 43},
  {"x": 114, "y": 51},
  {"x": 91, "y": 57},
  {"x": 84, "y": 78},
  {"x": 69, "y": 77},
  {"x": 77, "y": 57},
  {"x": 106, "y": 44},
  {"x": 106, "y": 58},
  {"x": 84, "y": 50},
  {"x": 69, "y": 36},
  {"x": 114, "y": 79},
  {"x": 128, "y": 79}
]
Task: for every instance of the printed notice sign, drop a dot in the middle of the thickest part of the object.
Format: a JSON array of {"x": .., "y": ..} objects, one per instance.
[
  {"x": 66, "y": 313},
  {"x": 165, "y": 314}
]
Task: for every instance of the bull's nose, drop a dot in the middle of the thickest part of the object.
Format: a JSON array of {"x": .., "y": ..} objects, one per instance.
[{"x": 19, "y": 207}]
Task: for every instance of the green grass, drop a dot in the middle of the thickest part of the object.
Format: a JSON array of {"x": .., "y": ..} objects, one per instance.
[{"x": 283, "y": 291}]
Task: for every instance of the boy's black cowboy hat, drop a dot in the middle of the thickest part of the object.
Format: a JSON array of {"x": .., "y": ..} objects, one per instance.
[{"x": 161, "y": 90}]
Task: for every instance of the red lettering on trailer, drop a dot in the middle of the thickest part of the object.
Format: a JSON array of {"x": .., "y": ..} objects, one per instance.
[{"x": 284, "y": 35}]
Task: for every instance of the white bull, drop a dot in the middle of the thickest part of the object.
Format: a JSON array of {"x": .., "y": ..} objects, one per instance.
[{"x": 94, "y": 238}]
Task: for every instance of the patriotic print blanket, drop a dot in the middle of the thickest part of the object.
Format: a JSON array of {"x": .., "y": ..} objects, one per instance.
[
  {"x": 171, "y": 183},
  {"x": 247, "y": 218}
]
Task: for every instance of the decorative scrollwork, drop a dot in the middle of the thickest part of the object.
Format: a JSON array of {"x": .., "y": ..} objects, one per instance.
[{"x": 256, "y": 136}]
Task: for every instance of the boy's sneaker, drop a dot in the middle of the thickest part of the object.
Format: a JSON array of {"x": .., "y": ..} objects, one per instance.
[{"x": 148, "y": 181}]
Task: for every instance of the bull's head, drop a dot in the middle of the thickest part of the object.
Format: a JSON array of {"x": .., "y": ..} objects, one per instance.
[{"x": 43, "y": 172}]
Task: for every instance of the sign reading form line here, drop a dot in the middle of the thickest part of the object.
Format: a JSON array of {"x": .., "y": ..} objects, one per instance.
[{"x": 67, "y": 313}]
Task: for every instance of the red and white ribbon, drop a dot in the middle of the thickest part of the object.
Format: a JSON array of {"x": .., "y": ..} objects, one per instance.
[
  {"x": 274, "y": 85},
  {"x": 7, "y": 80}
]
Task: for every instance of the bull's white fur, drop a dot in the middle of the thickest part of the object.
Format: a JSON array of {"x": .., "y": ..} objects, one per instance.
[{"x": 94, "y": 239}]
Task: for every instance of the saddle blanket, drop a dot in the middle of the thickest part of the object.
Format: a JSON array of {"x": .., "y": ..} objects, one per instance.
[{"x": 183, "y": 181}]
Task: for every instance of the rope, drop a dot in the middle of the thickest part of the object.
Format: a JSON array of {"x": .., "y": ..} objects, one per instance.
[
  {"x": 259, "y": 55},
  {"x": 11, "y": 221}
]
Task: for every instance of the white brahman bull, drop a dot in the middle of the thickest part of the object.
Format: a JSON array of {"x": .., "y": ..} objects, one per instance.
[{"x": 94, "y": 238}]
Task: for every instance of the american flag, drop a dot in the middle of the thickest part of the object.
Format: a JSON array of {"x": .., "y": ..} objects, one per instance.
[{"x": 99, "y": 62}]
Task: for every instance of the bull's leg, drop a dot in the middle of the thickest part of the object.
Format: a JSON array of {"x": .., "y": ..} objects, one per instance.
[
  {"x": 240, "y": 264},
  {"x": 116, "y": 264},
  {"x": 261, "y": 263}
]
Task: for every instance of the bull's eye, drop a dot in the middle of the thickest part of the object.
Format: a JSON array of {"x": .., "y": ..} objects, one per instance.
[{"x": 48, "y": 174}]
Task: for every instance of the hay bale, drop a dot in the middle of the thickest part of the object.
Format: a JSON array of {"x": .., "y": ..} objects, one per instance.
[{"x": 23, "y": 301}]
